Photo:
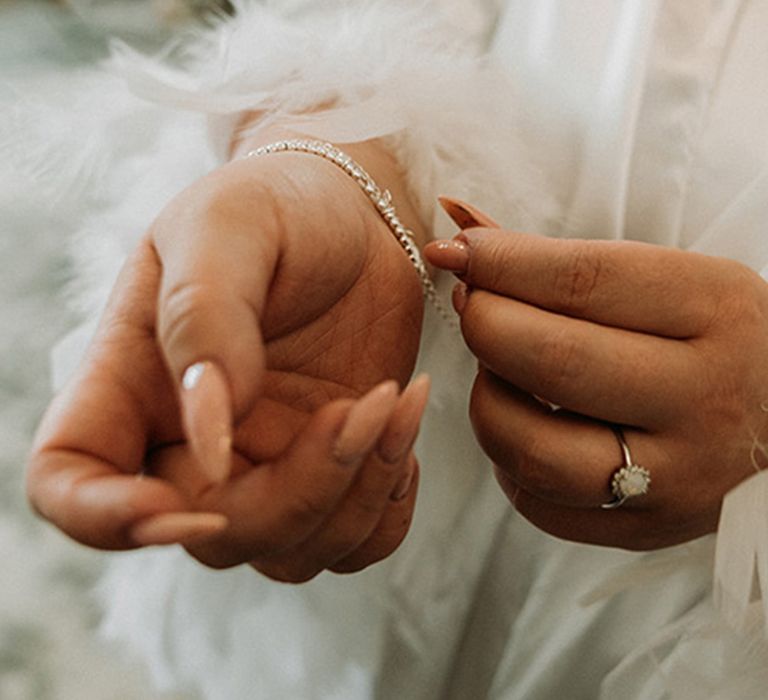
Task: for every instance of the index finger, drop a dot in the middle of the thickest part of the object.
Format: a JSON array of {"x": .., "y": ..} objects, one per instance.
[
  {"x": 83, "y": 473},
  {"x": 627, "y": 284}
]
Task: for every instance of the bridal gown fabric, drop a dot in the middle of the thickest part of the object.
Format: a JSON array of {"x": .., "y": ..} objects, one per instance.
[{"x": 637, "y": 119}]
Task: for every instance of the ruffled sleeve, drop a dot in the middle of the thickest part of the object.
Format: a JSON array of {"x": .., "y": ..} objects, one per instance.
[{"x": 415, "y": 73}]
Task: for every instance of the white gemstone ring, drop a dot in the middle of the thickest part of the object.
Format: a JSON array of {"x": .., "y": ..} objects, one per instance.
[{"x": 630, "y": 479}]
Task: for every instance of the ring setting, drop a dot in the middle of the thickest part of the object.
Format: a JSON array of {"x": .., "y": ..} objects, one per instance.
[{"x": 630, "y": 479}]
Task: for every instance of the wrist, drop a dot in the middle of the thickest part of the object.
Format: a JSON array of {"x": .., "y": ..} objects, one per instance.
[{"x": 372, "y": 155}]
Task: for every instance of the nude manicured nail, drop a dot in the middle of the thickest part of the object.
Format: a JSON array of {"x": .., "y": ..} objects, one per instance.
[
  {"x": 177, "y": 528},
  {"x": 365, "y": 423},
  {"x": 404, "y": 485},
  {"x": 465, "y": 215},
  {"x": 450, "y": 255},
  {"x": 459, "y": 297},
  {"x": 404, "y": 426},
  {"x": 207, "y": 417}
]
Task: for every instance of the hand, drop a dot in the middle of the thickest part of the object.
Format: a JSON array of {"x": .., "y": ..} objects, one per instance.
[
  {"x": 277, "y": 278},
  {"x": 670, "y": 345}
]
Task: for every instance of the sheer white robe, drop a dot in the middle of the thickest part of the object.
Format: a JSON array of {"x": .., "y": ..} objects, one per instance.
[{"x": 641, "y": 119}]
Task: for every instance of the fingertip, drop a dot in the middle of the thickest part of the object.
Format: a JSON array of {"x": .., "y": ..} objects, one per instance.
[
  {"x": 451, "y": 255},
  {"x": 365, "y": 422},
  {"x": 414, "y": 398},
  {"x": 404, "y": 424},
  {"x": 419, "y": 387},
  {"x": 91, "y": 503},
  {"x": 177, "y": 528},
  {"x": 206, "y": 408}
]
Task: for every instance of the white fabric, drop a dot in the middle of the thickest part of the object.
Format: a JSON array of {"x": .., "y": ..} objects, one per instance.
[{"x": 637, "y": 119}]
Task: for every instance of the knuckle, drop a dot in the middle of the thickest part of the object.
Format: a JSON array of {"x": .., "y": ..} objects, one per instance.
[
  {"x": 558, "y": 362},
  {"x": 473, "y": 321},
  {"x": 283, "y": 529},
  {"x": 181, "y": 306},
  {"x": 730, "y": 295},
  {"x": 304, "y": 511},
  {"x": 481, "y": 413},
  {"x": 577, "y": 276},
  {"x": 524, "y": 458},
  {"x": 743, "y": 302},
  {"x": 495, "y": 261},
  {"x": 528, "y": 464},
  {"x": 724, "y": 403},
  {"x": 370, "y": 496},
  {"x": 534, "y": 469},
  {"x": 369, "y": 502}
]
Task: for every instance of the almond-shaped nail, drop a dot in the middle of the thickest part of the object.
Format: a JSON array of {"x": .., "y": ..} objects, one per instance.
[
  {"x": 365, "y": 423},
  {"x": 404, "y": 485},
  {"x": 450, "y": 255},
  {"x": 177, "y": 528},
  {"x": 207, "y": 418},
  {"x": 465, "y": 215},
  {"x": 404, "y": 425}
]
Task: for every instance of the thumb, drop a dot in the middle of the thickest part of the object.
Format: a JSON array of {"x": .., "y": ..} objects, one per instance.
[{"x": 217, "y": 268}]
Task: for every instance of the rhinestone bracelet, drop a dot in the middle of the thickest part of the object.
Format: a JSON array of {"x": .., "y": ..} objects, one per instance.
[{"x": 382, "y": 200}]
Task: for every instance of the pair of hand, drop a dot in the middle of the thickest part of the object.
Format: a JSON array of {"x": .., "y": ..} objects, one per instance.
[
  {"x": 269, "y": 295},
  {"x": 672, "y": 346},
  {"x": 279, "y": 286}
]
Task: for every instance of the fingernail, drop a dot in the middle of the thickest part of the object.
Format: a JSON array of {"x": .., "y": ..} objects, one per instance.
[
  {"x": 404, "y": 485},
  {"x": 365, "y": 423},
  {"x": 465, "y": 215},
  {"x": 177, "y": 528},
  {"x": 459, "y": 297},
  {"x": 404, "y": 427},
  {"x": 207, "y": 418},
  {"x": 450, "y": 255},
  {"x": 471, "y": 236}
]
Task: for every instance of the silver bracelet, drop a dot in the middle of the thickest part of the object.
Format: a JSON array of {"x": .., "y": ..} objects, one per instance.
[{"x": 382, "y": 200}]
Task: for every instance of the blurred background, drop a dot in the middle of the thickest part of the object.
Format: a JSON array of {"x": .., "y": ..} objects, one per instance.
[{"x": 48, "y": 646}]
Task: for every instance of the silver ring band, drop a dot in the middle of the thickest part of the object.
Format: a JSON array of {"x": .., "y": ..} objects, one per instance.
[{"x": 629, "y": 480}]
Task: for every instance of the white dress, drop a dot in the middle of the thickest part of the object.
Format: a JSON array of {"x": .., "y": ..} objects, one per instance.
[{"x": 641, "y": 119}]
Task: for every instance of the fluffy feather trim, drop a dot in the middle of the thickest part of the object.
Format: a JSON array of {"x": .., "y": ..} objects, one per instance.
[{"x": 350, "y": 71}]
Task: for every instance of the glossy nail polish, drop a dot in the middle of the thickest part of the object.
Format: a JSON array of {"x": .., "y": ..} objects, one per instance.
[
  {"x": 451, "y": 255},
  {"x": 465, "y": 215},
  {"x": 365, "y": 423},
  {"x": 404, "y": 485},
  {"x": 207, "y": 418},
  {"x": 400, "y": 435},
  {"x": 177, "y": 528}
]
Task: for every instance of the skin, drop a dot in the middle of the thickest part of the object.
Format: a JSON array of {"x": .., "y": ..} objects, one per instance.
[
  {"x": 311, "y": 303},
  {"x": 307, "y": 305},
  {"x": 671, "y": 345}
]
